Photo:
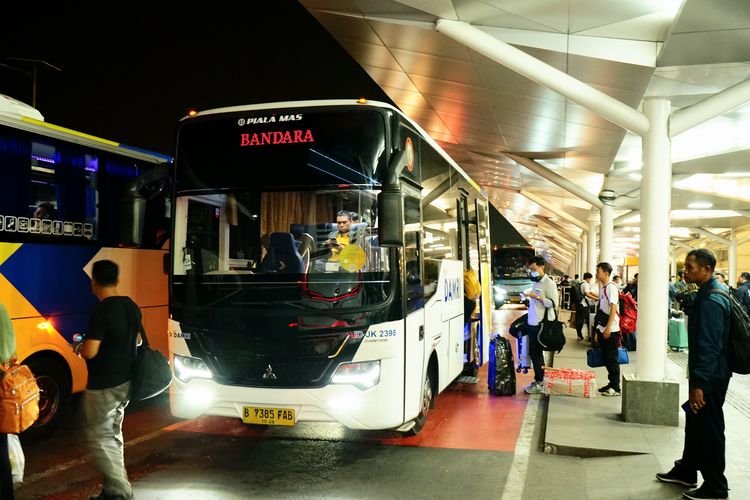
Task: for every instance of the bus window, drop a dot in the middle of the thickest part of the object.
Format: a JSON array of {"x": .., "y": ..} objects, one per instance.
[{"x": 412, "y": 255}]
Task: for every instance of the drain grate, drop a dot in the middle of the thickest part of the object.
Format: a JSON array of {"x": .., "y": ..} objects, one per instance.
[{"x": 466, "y": 379}]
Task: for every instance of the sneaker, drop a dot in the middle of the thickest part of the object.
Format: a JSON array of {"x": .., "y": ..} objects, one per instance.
[
  {"x": 534, "y": 388},
  {"x": 604, "y": 389},
  {"x": 611, "y": 392},
  {"x": 703, "y": 493},
  {"x": 674, "y": 477}
]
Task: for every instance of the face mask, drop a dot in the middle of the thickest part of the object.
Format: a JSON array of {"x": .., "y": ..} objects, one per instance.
[{"x": 534, "y": 274}]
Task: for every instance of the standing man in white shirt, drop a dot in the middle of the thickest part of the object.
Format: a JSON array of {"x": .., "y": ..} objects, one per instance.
[
  {"x": 607, "y": 322},
  {"x": 543, "y": 294}
]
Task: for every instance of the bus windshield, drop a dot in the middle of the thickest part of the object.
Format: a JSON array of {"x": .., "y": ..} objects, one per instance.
[
  {"x": 256, "y": 228},
  {"x": 510, "y": 263}
]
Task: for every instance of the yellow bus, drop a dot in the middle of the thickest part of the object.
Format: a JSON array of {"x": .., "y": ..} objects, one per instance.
[{"x": 60, "y": 196}]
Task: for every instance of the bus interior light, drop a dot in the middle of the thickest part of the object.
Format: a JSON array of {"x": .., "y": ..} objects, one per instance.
[
  {"x": 363, "y": 375},
  {"x": 44, "y": 325},
  {"x": 187, "y": 368},
  {"x": 361, "y": 100}
]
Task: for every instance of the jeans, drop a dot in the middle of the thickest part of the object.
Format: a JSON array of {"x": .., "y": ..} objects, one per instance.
[
  {"x": 104, "y": 411},
  {"x": 535, "y": 353}
]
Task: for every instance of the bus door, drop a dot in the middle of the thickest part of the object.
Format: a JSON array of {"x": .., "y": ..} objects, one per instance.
[
  {"x": 413, "y": 286},
  {"x": 484, "y": 327},
  {"x": 469, "y": 253}
]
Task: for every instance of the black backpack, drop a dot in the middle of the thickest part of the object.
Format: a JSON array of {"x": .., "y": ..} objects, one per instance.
[
  {"x": 576, "y": 296},
  {"x": 739, "y": 334}
]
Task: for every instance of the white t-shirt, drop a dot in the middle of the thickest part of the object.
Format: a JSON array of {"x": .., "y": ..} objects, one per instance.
[
  {"x": 585, "y": 288},
  {"x": 546, "y": 289},
  {"x": 609, "y": 296}
]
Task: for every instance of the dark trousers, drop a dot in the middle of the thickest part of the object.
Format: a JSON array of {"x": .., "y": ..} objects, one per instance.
[
  {"x": 6, "y": 475},
  {"x": 609, "y": 351},
  {"x": 535, "y": 353},
  {"x": 582, "y": 318},
  {"x": 705, "y": 443}
]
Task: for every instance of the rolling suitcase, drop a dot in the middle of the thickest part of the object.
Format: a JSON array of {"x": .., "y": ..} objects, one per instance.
[
  {"x": 522, "y": 350},
  {"x": 501, "y": 377},
  {"x": 677, "y": 338}
]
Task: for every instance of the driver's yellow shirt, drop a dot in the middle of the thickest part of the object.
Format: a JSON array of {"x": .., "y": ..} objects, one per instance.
[{"x": 343, "y": 240}]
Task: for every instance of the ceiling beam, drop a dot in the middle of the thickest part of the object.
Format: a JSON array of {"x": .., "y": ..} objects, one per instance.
[
  {"x": 557, "y": 226},
  {"x": 710, "y": 235},
  {"x": 548, "y": 76},
  {"x": 711, "y": 107},
  {"x": 556, "y": 179},
  {"x": 555, "y": 210}
]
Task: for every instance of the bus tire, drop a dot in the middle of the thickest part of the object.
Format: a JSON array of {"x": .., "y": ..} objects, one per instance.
[
  {"x": 428, "y": 401},
  {"x": 54, "y": 395}
]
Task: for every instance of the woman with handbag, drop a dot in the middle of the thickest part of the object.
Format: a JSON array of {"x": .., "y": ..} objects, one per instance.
[
  {"x": 7, "y": 356},
  {"x": 607, "y": 324}
]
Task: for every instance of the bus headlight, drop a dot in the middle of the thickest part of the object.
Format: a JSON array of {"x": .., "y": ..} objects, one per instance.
[
  {"x": 187, "y": 368},
  {"x": 361, "y": 375}
]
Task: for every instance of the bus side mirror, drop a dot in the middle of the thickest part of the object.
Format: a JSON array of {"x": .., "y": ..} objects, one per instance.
[
  {"x": 132, "y": 217},
  {"x": 390, "y": 217}
]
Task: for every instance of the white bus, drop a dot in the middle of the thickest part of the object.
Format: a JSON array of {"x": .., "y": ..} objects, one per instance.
[
  {"x": 269, "y": 325},
  {"x": 60, "y": 197}
]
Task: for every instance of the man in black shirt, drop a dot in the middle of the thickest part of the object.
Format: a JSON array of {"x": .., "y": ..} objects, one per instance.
[{"x": 109, "y": 350}]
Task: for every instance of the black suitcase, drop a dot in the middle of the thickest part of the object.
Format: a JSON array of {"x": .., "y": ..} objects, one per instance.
[{"x": 501, "y": 374}]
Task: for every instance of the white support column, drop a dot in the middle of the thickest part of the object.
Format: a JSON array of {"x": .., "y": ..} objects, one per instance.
[
  {"x": 655, "y": 206},
  {"x": 732, "y": 278},
  {"x": 605, "y": 233},
  {"x": 592, "y": 244},
  {"x": 579, "y": 259},
  {"x": 673, "y": 265},
  {"x": 584, "y": 253}
]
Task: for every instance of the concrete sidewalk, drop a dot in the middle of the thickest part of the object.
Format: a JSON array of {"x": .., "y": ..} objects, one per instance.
[{"x": 621, "y": 458}]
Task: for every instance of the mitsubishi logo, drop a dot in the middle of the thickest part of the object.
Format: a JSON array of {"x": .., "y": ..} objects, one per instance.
[{"x": 269, "y": 374}]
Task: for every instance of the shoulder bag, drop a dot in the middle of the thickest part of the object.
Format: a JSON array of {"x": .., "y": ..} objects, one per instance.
[
  {"x": 551, "y": 335},
  {"x": 151, "y": 372}
]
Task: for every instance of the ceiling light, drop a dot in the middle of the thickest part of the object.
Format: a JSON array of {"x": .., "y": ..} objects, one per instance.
[{"x": 700, "y": 205}]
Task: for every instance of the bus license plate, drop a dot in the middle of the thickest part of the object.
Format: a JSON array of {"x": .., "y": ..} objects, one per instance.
[{"x": 268, "y": 416}]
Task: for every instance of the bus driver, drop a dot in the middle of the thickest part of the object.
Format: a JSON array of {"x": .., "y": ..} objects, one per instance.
[{"x": 337, "y": 240}]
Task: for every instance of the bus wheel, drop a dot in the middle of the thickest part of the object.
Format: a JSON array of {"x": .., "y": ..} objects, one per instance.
[
  {"x": 54, "y": 392},
  {"x": 427, "y": 403}
]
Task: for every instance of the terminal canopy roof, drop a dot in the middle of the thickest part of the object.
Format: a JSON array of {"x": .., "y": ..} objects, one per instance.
[{"x": 477, "y": 109}]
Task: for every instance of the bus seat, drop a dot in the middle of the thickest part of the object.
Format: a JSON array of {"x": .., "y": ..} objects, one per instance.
[
  {"x": 357, "y": 231},
  {"x": 306, "y": 248},
  {"x": 284, "y": 255},
  {"x": 297, "y": 230}
]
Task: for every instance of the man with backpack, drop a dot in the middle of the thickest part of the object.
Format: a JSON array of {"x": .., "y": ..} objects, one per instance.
[
  {"x": 709, "y": 374},
  {"x": 607, "y": 321}
]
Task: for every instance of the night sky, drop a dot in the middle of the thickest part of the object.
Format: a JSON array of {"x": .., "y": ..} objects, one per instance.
[{"x": 131, "y": 77}]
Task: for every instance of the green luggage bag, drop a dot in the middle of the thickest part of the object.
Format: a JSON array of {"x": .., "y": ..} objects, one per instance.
[{"x": 677, "y": 338}]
